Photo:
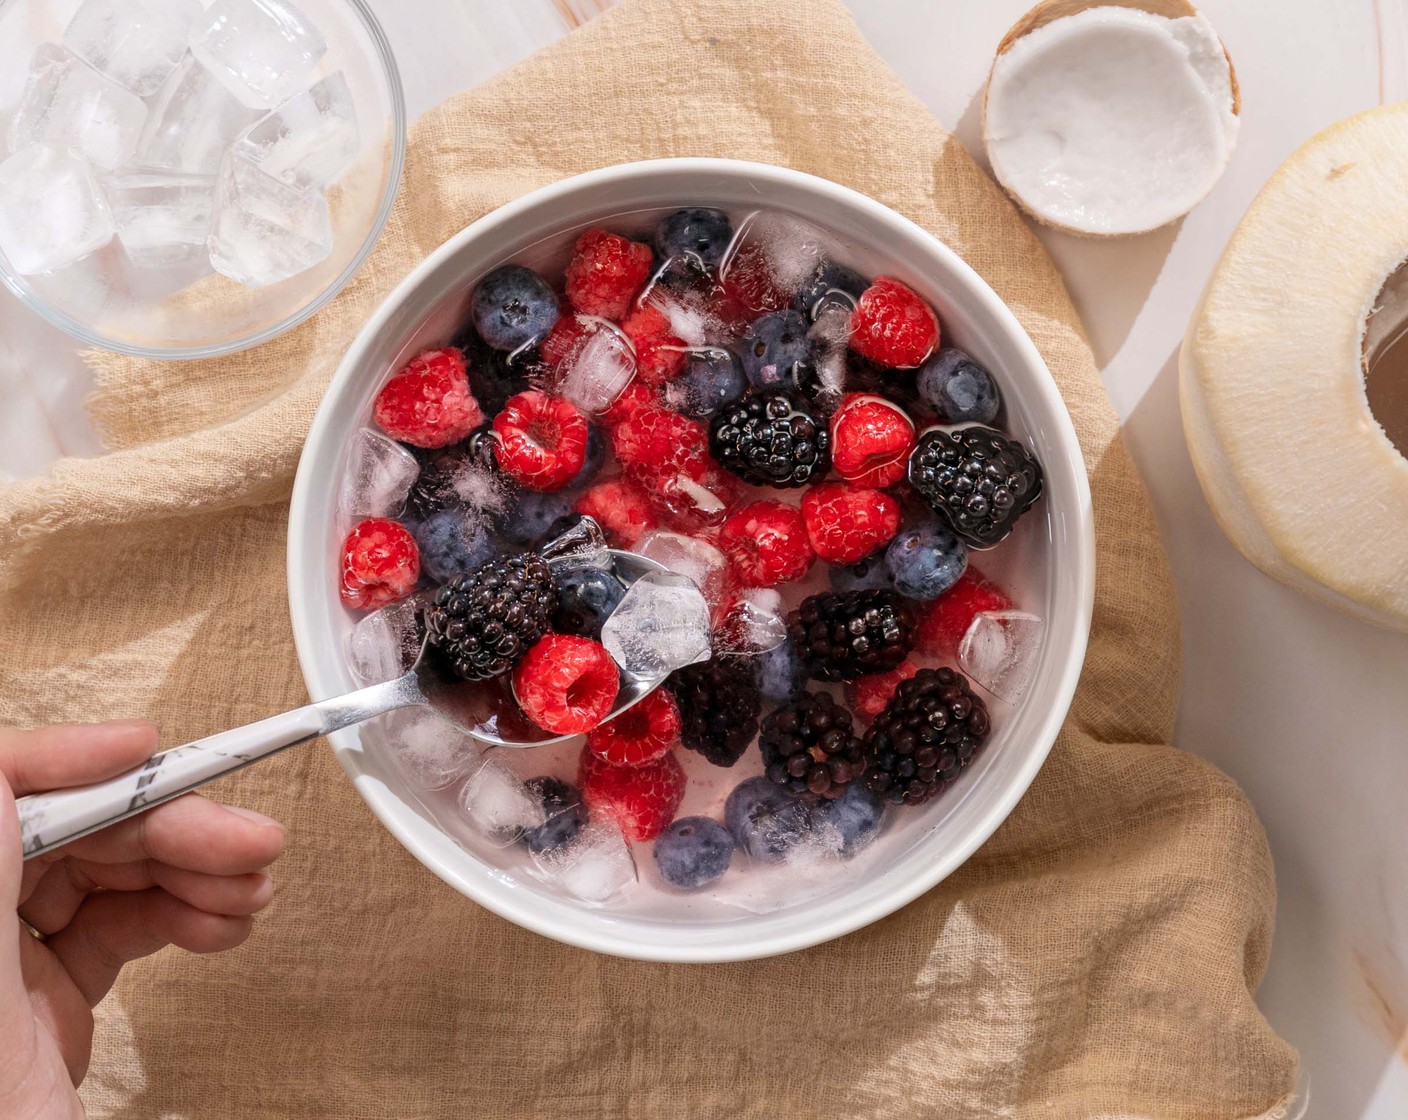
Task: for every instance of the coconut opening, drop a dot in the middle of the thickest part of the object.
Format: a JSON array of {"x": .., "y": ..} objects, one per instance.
[{"x": 1386, "y": 358}]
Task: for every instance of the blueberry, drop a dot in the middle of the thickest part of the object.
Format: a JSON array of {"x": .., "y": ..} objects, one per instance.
[
  {"x": 870, "y": 574},
  {"x": 830, "y": 285},
  {"x": 925, "y": 561},
  {"x": 781, "y": 674},
  {"x": 585, "y": 599},
  {"x": 856, "y": 815},
  {"x": 705, "y": 233},
  {"x": 777, "y": 354},
  {"x": 766, "y": 821},
  {"x": 958, "y": 388},
  {"x": 562, "y": 805},
  {"x": 712, "y": 379},
  {"x": 693, "y": 852},
  {"x": 592, "y": 464},
  {"x": 513, "y": 306},
  {"x": 451, "y": 542},
  {"x": 531, "y": 515}
]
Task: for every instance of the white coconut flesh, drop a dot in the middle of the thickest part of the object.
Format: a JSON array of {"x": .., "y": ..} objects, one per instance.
[
  {"x": 1298, "y": 471},
  {"x": 1111, "y": 121}
]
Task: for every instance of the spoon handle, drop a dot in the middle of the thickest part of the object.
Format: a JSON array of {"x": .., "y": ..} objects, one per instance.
[{"x": 50, "y": 820}]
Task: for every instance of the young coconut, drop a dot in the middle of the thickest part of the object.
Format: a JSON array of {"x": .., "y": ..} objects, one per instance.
[
  {"x": 1299, "y": 472},
  {"x": 1113, "y": 118}
]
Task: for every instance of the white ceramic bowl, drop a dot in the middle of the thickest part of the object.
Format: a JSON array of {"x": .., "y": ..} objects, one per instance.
[{"x": 1049, "y": 562}]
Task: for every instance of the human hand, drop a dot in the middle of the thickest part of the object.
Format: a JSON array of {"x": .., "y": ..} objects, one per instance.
[{"x": 187, "y": 873}]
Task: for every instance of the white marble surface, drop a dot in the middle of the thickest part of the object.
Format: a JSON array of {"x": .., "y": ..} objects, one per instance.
[{"x": 1303, "y": 706}]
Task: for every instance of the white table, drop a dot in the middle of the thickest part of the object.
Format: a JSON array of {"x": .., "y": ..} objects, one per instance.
[{"x": 1303, "y": 706}]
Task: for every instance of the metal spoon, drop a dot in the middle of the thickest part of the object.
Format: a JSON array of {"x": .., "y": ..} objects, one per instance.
[{"x": 50, "y": 820}]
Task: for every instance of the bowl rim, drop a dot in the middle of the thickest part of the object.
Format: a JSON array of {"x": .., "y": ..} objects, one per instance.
[
  {"x": 303, "y": 541},
  {"x": 88, "y": 336}
]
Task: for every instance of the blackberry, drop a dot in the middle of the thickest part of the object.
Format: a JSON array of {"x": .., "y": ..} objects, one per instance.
[
  {"x": 976, "y": 479},
  {"x": 929, "y": 731},
  {"x": 719, "y": 702},
  {"x": 434, "y": 489},
  {"x": 483, "y": 621},
  {"x": 810, "y": 748},
  {"x": 843, "y": 635},
  {"x": 771, "y": 439}
]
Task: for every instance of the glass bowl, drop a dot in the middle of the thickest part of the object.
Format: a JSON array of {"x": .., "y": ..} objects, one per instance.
[{"x": 183, "y": 308}]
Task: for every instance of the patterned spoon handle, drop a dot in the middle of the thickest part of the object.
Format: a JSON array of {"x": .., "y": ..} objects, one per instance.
[{"x": 50, "y": 820}]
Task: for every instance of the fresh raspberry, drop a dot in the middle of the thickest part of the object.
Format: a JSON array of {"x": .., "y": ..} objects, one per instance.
[
  {"x": 622, "y": 510},
  {"x": 868, "y": 696},
  {"x": 639, "y": 735},
  {"x": 643, "y": 800},
  {"x": 848, "y": 523},
  {"x": 606, "y": 272},
  {"x": 750, "y": 281},
  {"x": 656, "y": 442},
  {"x": 541, "y": 440},
  {"x": 766, "y": 543},
  {"x": 665, "y": 454},
  {"x": 428, "y": 403},
  {"x": 943, "y": 625},
  {"x": 380, "y": 564},
  {"x": 893, "y": 326},
  {"x": 569, "y": 332},
  {"x": 566, "y": 684},
  {"x": 871, "y": 439},
  {"x": 637, "y": 395},
  {"x": 660, "y": 355}
]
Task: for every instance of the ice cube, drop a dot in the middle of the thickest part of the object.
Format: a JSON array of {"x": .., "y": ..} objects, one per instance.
[
  {"x": 598, "y": 370},
  {"x": 136, "y": 43},
  {"x": 831, "y": 334},
  {"x": 596, "y": 867},
  {"x": 66, "y": 102},
  {"x": 1000, "y": 652},
  {"x": 661, "y": 625},
  {"x": 755, "y": 623},
  {"x": 261, "y": 49},
  {"x": 430, "y": 751},
  {"x": 309, "y": 140},
  {"x": 498, "y": 804},
  {"x": 700, "y": 561},
  {"x": 582, "y": 546},
  {"x": 386, "y": 643},
  {"x": 689, "y": 321},
  {"x": 479, "y": 486},
  {"x": 162, "y": 219},
  {"x": 193, "y": 119},
  {"x": 52, "y": 211},
  {"x": 380, "y": 474},
  {"x": 266, "y": 231},
  {"x": 772, "y": 255}
]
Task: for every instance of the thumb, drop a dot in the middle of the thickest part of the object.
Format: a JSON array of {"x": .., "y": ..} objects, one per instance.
[{"x": 14, "y": 999}]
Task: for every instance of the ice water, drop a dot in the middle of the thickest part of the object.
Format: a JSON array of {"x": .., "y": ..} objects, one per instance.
[
  {"x": 263, "y": 50},
  {"x": 136, "y": 43},
  {"x": 67, "y": 102},
  {"x": 52, "y": 211}
]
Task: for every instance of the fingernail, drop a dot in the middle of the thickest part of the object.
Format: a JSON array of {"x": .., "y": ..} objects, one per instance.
[{"x": 251, "y": 815}]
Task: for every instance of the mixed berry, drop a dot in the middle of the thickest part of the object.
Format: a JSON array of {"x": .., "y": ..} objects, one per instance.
[{"x": 792, "y": 436}]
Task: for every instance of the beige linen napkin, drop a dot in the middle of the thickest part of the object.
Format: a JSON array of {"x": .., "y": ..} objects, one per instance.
[{"x": 1095, "y": 959}]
